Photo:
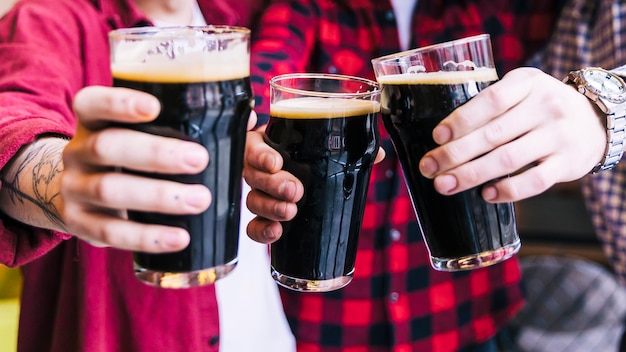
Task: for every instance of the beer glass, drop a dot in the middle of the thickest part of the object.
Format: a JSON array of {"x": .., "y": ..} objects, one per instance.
[
  {"x": 324, "y": 126},
  {"x": 419, "y": 88},
  {"x": 201, "y": 76}
]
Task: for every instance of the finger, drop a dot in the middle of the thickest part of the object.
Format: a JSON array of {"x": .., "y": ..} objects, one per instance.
[
  {"x": 104, "y": 230},
  {"x": 252, "y": 120},
  {"x": 264, "y": 230},
  {"x": 138, "y": 151},
  {"x": 261, "y": 156},
  {"x": 529, "y": 183},
  {"x": 281, "y": 185},
  {"x": 96, "y": 105},
  {"x": 500, "y": 162},
  {"x": 380, "y": 156},
  {"x": 496, "y": 132},
  {"x": 269, "y": 207},
  {"x": 114, "y": 190},
  {"x": 488, "y": 104}
]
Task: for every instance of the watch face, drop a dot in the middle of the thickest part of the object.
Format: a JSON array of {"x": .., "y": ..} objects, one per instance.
[{"x": 605, "y": 84}]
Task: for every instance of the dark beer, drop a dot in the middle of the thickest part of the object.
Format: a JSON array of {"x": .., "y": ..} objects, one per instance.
[
  {"x": 456, "y": 226},
  {"x": 330, "y": 145},
  {"x": 212, "y": 110}
]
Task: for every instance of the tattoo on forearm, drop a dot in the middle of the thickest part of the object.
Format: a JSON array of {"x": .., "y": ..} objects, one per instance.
[{"x": 45, "y": 163}]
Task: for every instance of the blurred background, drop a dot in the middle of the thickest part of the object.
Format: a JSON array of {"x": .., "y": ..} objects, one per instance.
[{"x": 10, "y": 285}]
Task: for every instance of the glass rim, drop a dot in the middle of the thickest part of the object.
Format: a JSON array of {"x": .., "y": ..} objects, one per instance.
[
  {"x": 139, "y": 33},
  {"x": 409, "y": 52},
  {"x": 274, "y": 83}
]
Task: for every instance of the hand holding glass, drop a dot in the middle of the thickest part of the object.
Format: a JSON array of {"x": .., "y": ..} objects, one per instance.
[
  {"x": 201, "y": 77},
  {"x": 325, "y": 128},
  {"x": 419, "y": 89}
]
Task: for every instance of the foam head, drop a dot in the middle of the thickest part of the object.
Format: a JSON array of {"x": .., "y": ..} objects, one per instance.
[
  {"x": 322, "y": 108},
  {"x": 181, "y": 55}
]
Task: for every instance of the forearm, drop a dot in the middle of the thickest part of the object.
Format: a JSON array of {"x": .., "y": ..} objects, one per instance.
[{"x": 31, "y": 191}]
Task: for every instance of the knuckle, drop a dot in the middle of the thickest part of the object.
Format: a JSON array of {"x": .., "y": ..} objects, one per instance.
[
  {"x": 107, "y": 235},
  {"x": 524, "y": 73},
  {"x": 99, "y": 144},
  {"x": 472, "y": 175},
  {"x": 507, "y": 159},
  {"x": 541, "y": 182},
  {"x": 494, "y": 98},
  {"x": 463, "y": 118},
  {"x": 104, "y": 188},
  {"x": 452, "y": 153},
  {"x": 493, "y": 133}
]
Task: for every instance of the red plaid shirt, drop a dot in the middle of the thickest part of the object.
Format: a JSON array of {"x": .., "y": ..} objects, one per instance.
[{"x": 396, "y": 301}]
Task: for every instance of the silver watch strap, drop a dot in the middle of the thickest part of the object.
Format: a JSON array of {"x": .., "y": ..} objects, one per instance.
[{"x": 615, "y": 135}]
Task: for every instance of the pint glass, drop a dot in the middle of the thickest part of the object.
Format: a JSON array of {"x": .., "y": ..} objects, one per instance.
[
  {"x": 201, "y": 77},
  {"x": 325, "y": 128},
  {"x": 419, "y": 88}
]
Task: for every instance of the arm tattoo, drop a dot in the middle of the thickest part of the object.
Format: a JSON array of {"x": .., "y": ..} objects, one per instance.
[{"x": 44, "y": 162}]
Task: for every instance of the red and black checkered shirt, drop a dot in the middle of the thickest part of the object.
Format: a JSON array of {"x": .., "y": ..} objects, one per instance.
[{"x": 396, "y": 301}]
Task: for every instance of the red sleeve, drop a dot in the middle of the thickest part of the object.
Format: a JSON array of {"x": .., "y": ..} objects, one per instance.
[
  {"x": 49, "y": 50},
  {"x": 282, "y": 43}
]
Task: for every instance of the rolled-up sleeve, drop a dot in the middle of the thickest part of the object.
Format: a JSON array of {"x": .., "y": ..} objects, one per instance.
[{"x": 46, "y": 58}]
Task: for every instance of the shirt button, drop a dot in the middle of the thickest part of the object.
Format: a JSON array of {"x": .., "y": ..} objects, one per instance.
[
  {"x": 389, "y": 16},
  {"x": 395, "y": 234},
  {"x": 214, "y": 340},
  {"x": 394, "y": 297},
  {"x": 389, "y": 173}
]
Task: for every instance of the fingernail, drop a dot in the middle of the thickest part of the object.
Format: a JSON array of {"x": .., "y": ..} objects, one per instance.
[
  {"x": 429, "y": 166},
  {"x": 287, "y": 190},
  {"x": 174, "y": 239},
  {"x": 280, "y": 210},
  {"x": 442, "y": 134},
  {"x": 147, "y": 106},
  {"x": 268, "y": 161},
  {"x": 447, "y": 183},
  {"x": 198, "y": 197},
  {"x": 194, "y": 156},
  {"x": 490, "y": 193}
]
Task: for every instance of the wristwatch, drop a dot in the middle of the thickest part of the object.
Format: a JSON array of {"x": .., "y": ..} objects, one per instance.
[{"x": 606, "y": 90}]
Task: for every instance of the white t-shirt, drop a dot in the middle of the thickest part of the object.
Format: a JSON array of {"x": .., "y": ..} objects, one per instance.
[
  {"x": 403, "y": 10},
  {"x": 251, "y": 313}
]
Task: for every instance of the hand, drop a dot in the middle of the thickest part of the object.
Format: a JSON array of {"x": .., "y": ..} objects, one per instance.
[
  {"x": 274, "y": 192},
  {"x": 96, "y": 197},
  {"x": 529, "y": 125}
]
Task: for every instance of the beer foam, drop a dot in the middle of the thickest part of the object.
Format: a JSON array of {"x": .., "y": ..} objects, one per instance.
[
  {"x": 441, "y": 77},
  {"x": 179, "y": 61},
  {"x": 322, "y": 108}
]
